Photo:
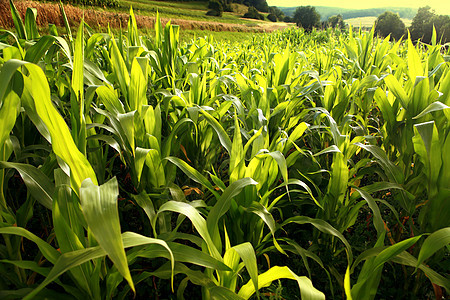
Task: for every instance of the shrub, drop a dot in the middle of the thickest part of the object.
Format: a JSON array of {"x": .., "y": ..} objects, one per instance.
[
  {"x": 288, "y": 19},
  {"x": 213, "y": 13},
  {"x": 216, "y": 9},
  {"x": 277, "y": 12},
  {"x": 336, "y": 22},
  {"x": 272, "y": 17},
  {"x": 260, "y": 5},
  {"x": 253, "y": 14}
]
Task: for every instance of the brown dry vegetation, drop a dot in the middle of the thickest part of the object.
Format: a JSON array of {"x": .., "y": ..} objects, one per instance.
[{"x": 49, "y": 13}]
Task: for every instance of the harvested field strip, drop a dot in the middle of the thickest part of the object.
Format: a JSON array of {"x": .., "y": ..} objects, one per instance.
[{"x": 49, "y": 13}]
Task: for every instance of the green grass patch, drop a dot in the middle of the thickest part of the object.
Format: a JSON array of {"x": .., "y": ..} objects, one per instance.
[{"x": 180, "y": 10}]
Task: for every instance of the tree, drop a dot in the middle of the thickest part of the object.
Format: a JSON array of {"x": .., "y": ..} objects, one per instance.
[
  {"x": 420, "y": 23},
  {"x": 272, "y": 17},
  {"x": 307, "y": 17},
  {"x": 389, "y": 23},
  {"x": 273, "y": 10},
  {"x": 336, "y": 22},
  {"x": 260, "y": 5},
  {"x": 216, "y": 8},
  {"x": 422, "y": 26},
  {"x": 252, "y": 13},
  {"x": 288, "y": 19}
]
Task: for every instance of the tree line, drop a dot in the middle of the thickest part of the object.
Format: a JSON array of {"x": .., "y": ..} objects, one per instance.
[
  {"x": 387, "y": 24},
  {"x": 255, "y": 8},
  {"x": 225, "y": 5}
]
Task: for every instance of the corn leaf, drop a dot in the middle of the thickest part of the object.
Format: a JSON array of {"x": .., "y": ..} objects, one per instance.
[
  {"x": 99, "y": 204},
  {"x": 38, "y": 184},
  {"x": 307, "y": 290},
  {"x": 433, "y": 243},
  {"x": 30, "y": 23}
]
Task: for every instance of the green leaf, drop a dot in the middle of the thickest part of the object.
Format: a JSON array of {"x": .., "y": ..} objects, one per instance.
[
  {"x": 144, "y": 201},
  {"x": 261, "y": 211},
  {"x": 139, "y": 161},
  {"x": 37, "y": 51},
  {"x": 325, "y": 228},
  {"x": 30, "y": 23},
  {"x": 73, "y": 259},
  {"x": 370, "y": 275},
  {"x": 68, "y": 231},
  {"x": 66, "y": 22},
  {"x": 196, "y": 219},
  {"x": 223, "y": 205},
  {"x": 120, "y": 70},
  {"x": 8, "y": 114},
  {"x": 28, "y": 265},
  {"x": 377, "y": 219},
  {"x": 395, "y": 87},
  {"x": 99, "y": 204},
  {"x": 435, "y": 106},
  {"x": 48, "y": 251},
  {"x": 394, "y": 250},
  {"x": 222, "y": 134},
  {"x": 414, "y": 64},
  {"x": 110, "y": 100},
  {"x": 221, "y": 293},
  {"x": 248, "y": 256},
  {"x": 433, "y": 243},
  {"x": 307, "y": 290},
  {"x": 408, "y": 260},
  {"x": 392, "y": 171},
  {"x": 236, "y": 168},
  {"x": 38, "y": 184},
  {"x": 77, "y": 71},
  {"x": 181, "y": 253},
  {"x": 18, "y": 24},
  {"x": 138, "y": 83},
  {"x": 191, "y": 173},
  {"x": 127, "y": 123},
  {"x": 62, "y": 142}
]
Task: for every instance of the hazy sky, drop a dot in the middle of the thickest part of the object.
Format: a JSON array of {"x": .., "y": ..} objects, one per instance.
[{"x": 440, "y": 6}]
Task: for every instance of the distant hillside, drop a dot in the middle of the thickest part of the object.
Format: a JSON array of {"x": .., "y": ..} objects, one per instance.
[{"x": 327, "y": 11}]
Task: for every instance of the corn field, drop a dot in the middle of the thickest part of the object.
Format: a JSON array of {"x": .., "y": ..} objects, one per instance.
[{"x": 293, "y": 166}]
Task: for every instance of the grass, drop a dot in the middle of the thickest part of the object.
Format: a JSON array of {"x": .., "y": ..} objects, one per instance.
[{"x": 184, "y": 10}]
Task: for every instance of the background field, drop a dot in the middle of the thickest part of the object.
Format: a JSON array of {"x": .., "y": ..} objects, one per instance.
[
  {"x": 139, "y": 157},
  {"x": 370, "y": 21}
]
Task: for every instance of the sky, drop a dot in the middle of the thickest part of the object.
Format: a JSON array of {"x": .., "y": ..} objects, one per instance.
[{"x": 440, "y": 6}]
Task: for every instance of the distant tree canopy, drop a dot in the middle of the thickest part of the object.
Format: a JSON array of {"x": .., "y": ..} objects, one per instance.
[
  {"x": 336, "y": 22},
  {"x": 253, "y": 14},
  {"x": 422, "y": 26},
  {"x": 389, "y": 23},
  {"x": 218, "y": 6},
  {"x": 307, "y": 17},
  {"x": 260, "y": 5},
  {"x": 276, "y": 12}
]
